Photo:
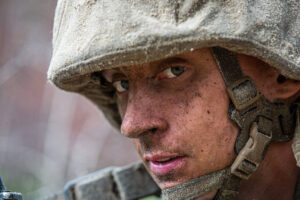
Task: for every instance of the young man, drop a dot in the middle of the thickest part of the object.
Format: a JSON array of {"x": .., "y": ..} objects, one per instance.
[{"x": 207, "y": 122}]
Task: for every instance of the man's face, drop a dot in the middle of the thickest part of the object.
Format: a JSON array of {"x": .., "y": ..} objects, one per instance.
[{"x": 175, "y": 111}]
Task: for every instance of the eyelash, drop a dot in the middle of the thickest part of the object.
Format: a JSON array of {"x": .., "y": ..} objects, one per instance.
[
  {"x": 160, "y": 76},
  {"x": 172, "y": 74},
  {"x": 119, "y": 86}
]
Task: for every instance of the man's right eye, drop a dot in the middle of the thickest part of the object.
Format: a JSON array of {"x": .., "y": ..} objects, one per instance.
[{"x": 121, "y": 86}]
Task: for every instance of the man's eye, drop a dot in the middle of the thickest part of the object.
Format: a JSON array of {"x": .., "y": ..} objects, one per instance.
[
  {"x": 121, "y": 86},
  {"x": 171, "y": 72}
]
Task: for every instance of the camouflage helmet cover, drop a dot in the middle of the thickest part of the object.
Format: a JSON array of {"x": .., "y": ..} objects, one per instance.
[{"x": 92, "y": 35}]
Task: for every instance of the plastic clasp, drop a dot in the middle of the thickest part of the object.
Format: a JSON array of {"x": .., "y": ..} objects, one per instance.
[
  {"x": 251, "y": 155},
  {"x": 243, "y": 93}
]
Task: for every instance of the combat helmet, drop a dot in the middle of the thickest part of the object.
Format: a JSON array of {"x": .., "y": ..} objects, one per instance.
[{"x": 93, "y": 35}]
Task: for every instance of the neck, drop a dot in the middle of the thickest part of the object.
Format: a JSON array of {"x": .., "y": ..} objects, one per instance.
[{"x": 275, "y": 178}]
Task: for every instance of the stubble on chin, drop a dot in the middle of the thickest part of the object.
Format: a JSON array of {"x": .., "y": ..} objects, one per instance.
[{"x": 168, "y": 180}]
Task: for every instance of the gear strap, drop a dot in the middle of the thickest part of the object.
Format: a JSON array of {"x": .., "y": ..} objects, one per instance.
[{"x": 259, "y": 121}]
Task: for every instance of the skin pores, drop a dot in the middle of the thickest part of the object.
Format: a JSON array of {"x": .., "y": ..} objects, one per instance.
[
  {"x": 175, "y": 112},
  {"x": 182, "y": 118}
]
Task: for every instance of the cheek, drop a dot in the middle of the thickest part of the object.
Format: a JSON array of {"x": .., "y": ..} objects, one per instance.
[
  {"x": 207, "y": 115},
  {"x": 202, "y": 125},
  {"x": 137, "y": 146}
]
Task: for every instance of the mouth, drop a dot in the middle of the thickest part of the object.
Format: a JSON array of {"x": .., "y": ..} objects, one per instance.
[{"x": 165, "y": 164}]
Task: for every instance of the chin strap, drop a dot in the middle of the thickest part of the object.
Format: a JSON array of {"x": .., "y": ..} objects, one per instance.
[
  {"x": 197, "y": 187},
  {"x": 296, "y": 139},
  {"x": 260, "y": 122}
]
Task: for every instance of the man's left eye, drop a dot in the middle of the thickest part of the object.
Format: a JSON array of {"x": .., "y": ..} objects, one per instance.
[
  {"x": 172, "y": 72},
  {"x": 121, "y": 86}
]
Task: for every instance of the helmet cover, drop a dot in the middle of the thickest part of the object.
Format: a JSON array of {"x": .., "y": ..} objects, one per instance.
[{"x": 92, "y": 35}]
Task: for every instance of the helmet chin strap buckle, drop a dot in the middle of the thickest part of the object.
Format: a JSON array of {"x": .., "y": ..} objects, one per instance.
[
  {"x": 259, "y": 120},
  {"x": 251, "y": 154}
]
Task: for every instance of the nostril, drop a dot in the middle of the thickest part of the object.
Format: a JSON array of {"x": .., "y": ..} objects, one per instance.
[
  {"x": 132, "y": 126},
  {"x": 153, "y": 130},
  {"x": 137, "y": 134}
]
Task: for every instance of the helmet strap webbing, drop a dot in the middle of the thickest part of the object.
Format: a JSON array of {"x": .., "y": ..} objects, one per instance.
[
  {"x": 260, "y": 122},
  {"x": 197, "y": 187}
]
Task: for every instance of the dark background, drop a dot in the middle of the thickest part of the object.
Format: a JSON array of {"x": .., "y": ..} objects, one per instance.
[{"x": 47, "y": 136}]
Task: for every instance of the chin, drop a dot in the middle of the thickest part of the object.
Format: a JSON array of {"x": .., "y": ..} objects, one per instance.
[
  {"x": 169, "y": 180},
  {"x": 167, "y": 184}
]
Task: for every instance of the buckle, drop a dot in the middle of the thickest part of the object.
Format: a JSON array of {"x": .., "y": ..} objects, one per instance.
[
  {"x": 251, "y": 155},
  {"x": 243, "y": 93}
]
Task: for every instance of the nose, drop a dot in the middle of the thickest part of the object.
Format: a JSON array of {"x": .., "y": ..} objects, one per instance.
[{"x": 142, "y": 118}]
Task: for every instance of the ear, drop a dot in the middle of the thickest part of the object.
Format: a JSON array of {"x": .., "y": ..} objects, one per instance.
[
  {"x": 273, "y": 85},
  {"x": 287, "y": 89}
]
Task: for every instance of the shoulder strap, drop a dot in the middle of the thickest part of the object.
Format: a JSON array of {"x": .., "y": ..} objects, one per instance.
[{"x": 131, "y": 182}]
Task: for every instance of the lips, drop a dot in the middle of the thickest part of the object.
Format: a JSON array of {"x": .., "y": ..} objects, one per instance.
[{"x": 164, "y": 164}]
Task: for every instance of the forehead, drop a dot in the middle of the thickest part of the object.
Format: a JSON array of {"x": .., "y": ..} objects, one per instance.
[{"x": 196, "y": 56}]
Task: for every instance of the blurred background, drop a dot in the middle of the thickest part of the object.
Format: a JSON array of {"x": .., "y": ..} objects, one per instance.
[{"x": 47, "y": 136}]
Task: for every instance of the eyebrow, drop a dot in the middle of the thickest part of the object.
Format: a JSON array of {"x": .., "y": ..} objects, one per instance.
[{"x": 111, "y": 74}]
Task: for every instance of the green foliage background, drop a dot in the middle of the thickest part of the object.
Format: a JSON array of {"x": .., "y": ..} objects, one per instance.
[{"x": 151, "y": 198}]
